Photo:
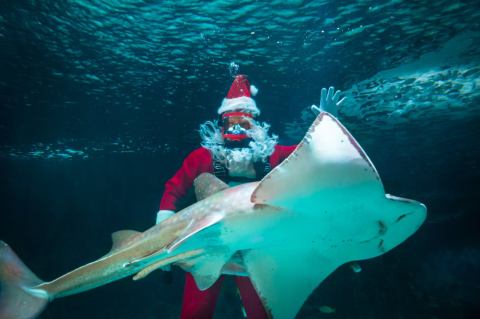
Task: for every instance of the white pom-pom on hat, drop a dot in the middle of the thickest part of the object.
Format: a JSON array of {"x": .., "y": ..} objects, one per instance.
[
  {"x": 253, "y": 90},
  {"x": 239, "y": 97}
]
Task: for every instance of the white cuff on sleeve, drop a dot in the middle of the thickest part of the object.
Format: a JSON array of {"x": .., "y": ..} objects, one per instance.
[{"x": 163, "y": 214}]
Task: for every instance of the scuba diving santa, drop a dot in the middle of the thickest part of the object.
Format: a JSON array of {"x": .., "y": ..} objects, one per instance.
[{"x": 240, "y": 145}]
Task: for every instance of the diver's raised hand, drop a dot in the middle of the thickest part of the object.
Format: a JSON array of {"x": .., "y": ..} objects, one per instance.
[{"x": 329, "y": 102}]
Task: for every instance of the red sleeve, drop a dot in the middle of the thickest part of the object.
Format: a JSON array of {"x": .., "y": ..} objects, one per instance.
[
  {"x": 281, "y": 152},
  {"x": 197, "y": 162}
]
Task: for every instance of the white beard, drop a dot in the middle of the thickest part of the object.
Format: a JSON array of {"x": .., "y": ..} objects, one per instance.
[{"x": 239, "y": 161}]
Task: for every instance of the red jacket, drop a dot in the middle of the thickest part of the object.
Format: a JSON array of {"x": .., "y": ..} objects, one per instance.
[{"x": 200, "y": 161}]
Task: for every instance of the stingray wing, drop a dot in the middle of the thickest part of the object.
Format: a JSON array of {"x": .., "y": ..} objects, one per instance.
[
  {"x": 285, "y": 277},
  {"x": 334, "y": 210},
  {"x": 327, "y": 159}
]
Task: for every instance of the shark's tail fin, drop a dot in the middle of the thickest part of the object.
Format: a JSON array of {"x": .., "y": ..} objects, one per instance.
[{"x": 19, "y": 299}]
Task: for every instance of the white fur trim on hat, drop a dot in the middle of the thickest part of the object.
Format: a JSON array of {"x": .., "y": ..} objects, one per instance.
[{"x": 242, "y": 103}]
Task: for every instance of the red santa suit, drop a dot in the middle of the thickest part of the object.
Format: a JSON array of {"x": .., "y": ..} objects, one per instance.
[{"x": 201, "y": 304}]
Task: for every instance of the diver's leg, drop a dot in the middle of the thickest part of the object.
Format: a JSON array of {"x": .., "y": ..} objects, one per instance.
[
  {"x": 199, "y": 304},
  {"x": 250, "y": 299}
]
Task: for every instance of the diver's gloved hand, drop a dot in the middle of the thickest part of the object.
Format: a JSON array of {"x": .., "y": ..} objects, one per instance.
[
  {"x": 163, "y": 214},
  {"x": 329, "y": 102}
]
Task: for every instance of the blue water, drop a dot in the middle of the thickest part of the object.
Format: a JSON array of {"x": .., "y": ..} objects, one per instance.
[{"x": 101, "y": 100}]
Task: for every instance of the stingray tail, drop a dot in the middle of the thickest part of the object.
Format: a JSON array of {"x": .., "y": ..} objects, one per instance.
[{"x": 19, "y": 296}]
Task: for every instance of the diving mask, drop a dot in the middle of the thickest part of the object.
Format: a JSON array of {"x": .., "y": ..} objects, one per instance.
[{"x": 235, "y": 125}]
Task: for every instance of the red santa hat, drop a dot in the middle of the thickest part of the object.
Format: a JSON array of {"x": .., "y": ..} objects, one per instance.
[{"x": 239, "y": 97}]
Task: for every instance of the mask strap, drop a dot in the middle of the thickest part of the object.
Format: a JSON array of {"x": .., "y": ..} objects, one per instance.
[{"x": 224, "y": 115}]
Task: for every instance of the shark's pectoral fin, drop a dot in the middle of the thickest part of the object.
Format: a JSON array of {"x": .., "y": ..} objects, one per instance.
[
  {"x": 207, "y": 268},
  {"x": 197, "y": 224},
  {"x": 284, "y": 278},
  {"x": 207, "y": 184},
  {"x": 235, "y": 265},
  {"x": 166, "y": 261},
  {"x": 122, "y": 238}
]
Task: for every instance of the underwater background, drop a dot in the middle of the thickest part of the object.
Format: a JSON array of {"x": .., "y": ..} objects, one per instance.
[{"x": 101, "y": 100}]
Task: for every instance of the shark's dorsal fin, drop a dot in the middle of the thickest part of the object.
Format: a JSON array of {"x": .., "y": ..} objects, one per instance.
[
  {"x": 206, "y": 185},
  {"x": 328, "y": 158},
  {"x": 121, "y": 238}
]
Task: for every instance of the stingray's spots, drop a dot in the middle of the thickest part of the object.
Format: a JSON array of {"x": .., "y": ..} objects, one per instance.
[
  {"x": 308, "y": 138},
  {"x": 380, "y": 246},
  {"x": 400, "y": 217},
  {"x": 382, "y": 228}
]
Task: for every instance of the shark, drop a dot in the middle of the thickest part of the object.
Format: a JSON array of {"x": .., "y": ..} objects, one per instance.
[{"x": 323, "y": 206}]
